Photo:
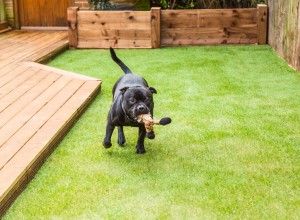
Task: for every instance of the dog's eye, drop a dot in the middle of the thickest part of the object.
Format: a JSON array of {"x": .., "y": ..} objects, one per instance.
[
  {"x": 132, "y": 101},
  {"x": 147, "y": 100}
]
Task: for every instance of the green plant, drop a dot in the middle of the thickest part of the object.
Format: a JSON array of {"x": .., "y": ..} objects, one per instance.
[
  {"x": 102, "y": 5},
  {"x": 206, "y": 4}
]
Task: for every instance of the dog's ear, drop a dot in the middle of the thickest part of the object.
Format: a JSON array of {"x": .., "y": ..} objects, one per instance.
[
  {"x": 123, "y": 90},
  {"x": 153, "y": 90}
]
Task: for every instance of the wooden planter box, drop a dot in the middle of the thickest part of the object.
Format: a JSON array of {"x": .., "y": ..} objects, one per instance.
[{"x": 155, "y": 28}]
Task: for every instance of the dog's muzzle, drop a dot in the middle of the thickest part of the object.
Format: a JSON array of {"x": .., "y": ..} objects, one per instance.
[{"x": 142, "y": 109}]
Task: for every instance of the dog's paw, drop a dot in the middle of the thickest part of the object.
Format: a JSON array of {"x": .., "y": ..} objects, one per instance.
[
  {"x": 106, "y": 144},
  {"x": 121, "y": 142},
  {"x": 140, "y": 151},
  {"x": 150, "y": 135}
]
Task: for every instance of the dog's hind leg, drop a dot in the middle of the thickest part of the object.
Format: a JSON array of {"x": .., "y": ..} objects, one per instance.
[
  {"x": 121, "y": 136},
  {"x": 140, "y": 149},
  {"x": 107, "y": 140}
]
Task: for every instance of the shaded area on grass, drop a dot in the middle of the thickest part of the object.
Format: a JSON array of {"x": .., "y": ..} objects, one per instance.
[{"x": 232, "y": 150}]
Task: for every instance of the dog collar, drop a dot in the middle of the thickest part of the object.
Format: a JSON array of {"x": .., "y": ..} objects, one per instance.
[{"x": 126, "y": 116}]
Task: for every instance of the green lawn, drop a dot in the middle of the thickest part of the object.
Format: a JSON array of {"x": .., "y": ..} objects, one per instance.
[{"x": 231, "y": 152}]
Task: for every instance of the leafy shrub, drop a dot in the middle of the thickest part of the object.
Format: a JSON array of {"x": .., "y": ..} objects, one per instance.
[
  {"x": 102, "y": 5},
  {"x": 206, "y": 4}
]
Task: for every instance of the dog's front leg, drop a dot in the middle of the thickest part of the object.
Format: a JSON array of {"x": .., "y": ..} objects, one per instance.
[
  {"x": 140, "y": 149},
  {"x": 109, "y": 130},
  {"x": 121, "y": 136}
]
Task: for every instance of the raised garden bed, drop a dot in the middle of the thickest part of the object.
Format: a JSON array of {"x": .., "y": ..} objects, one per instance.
[{"x": 156, "y": 28}]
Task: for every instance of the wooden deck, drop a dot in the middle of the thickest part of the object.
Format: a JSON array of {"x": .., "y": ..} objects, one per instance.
[{"x": 38, "y": 105}]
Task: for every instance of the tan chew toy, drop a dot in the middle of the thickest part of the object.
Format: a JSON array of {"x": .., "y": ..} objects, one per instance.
[{"x": 149, "y": 122}]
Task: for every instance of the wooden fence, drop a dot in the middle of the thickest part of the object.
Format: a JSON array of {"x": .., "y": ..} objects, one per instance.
[
  {"x": 155, "y": 28},
  {"x": 284, "y": 30}
]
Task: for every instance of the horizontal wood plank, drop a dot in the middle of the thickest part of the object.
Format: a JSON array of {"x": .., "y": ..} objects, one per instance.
[
  {"x": 193, "y": 33},
  {"x": 6, "y": 70},
  {"x": 113, "y": 17},
  {"x": 104, "y": 33},
  {"x": 208, "y": 41},
  {"x": 10, "y": 111},
  {"x": 20, "y": 90},
  {"x": 10, "y": 82},
  {"x": 116, "y": 43},
  {"x": 115, "y": 26}
]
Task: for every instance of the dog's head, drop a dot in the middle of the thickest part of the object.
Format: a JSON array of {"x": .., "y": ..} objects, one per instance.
[{"x": 137, "y": 100}]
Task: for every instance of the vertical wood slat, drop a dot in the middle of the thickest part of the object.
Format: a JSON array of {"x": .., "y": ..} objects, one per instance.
[
  {"x": 16, "y": 17},
  {"x": 155, "y": 27},
  {"x": 41, "y": 13},
  {"x": 72, "y": 26},
  {"x": 262, "y": 19}
]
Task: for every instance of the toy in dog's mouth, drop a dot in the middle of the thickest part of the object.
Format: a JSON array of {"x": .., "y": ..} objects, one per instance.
[{"x": 149, "y": 122}]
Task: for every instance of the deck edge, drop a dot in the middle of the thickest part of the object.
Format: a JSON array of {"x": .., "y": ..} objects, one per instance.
[
  {"x": 59, "y": 71},
  {"x": 25, "y": 179}
]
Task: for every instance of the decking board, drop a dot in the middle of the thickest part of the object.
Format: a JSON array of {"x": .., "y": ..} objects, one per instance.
[
  {"x": 10, "y": 111},
  {"x": 29, "y": 129},
  {"x": 22, "y": 89},
  {"x": 18, "y": 121},
  {"x": 14, "y": 80},
  {"x": 6, "y": 70},
  {"x": 13, "y": 73},
  {"x": 38, "y": 105}
]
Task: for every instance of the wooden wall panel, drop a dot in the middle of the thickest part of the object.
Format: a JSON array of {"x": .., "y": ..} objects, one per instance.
[
  {"x": 284, "y": 29},
  {"x": 45, "y": 13},
  {"x": 118, "y": 29},
  {"x": 155, "y": 28},
  {"x": 203, "y": 27}
]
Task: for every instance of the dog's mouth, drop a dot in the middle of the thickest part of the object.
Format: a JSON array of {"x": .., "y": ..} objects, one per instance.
[
  {"x": 136, "y": 114},
  {"x": 135, "y": 111},
  {"x": 141, "y": 109}
]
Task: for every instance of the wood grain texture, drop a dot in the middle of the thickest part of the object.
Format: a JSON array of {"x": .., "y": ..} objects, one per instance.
[
  {"x": 284, "y": 30},
  {"x": 155, "y": 28},
  {"x": 208, "y": 27},
  {"x": 72, "y": 26},
  {"x": 44, "y": 13},
  {"x": 262, "y": 24},
  {"x": 118, "y": 29}
]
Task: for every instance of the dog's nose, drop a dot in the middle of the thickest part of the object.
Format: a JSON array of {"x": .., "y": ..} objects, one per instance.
[{"x": 141, "y": 108}]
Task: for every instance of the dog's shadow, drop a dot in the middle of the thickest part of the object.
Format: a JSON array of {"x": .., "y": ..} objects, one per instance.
[{"x": 126, "y": 154}]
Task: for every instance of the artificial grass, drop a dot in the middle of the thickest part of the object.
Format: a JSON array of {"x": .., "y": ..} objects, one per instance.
[{"x": 232, "y": 150}]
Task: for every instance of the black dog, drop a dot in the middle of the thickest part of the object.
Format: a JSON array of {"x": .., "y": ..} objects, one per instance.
[{"x": 131, "y": 97}]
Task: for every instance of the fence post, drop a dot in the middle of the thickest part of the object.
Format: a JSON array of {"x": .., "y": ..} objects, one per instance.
[
  {"x": 155, "y": 27},
  {"x": 72, "y": 26},
  {"x": 262, "y": 19}
]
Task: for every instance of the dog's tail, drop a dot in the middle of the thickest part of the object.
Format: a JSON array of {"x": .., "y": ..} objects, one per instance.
[{"x": 119, "y": 62}]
